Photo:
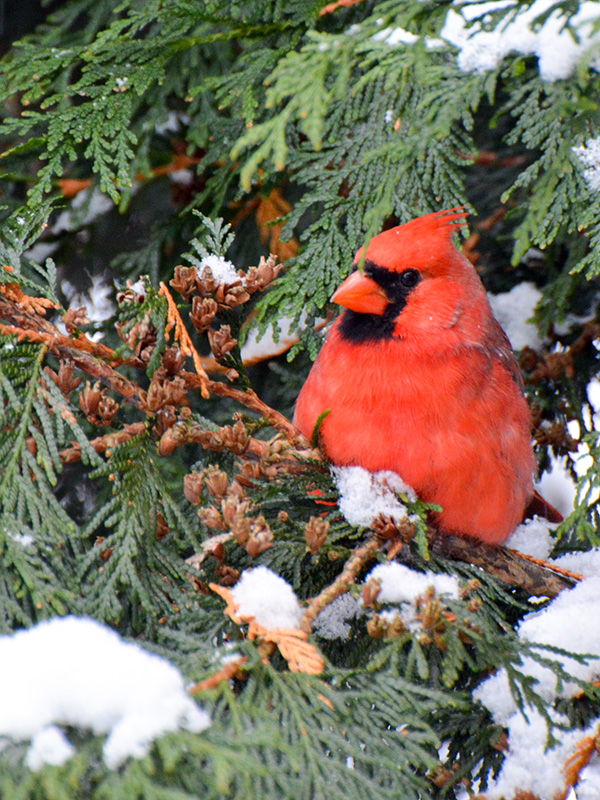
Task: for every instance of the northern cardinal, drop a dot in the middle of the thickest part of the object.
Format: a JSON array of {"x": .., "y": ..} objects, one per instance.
[{"x": 419, "y": 378}]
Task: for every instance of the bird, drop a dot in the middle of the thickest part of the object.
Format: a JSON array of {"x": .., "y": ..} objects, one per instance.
[{"x": 417, "y": 376}]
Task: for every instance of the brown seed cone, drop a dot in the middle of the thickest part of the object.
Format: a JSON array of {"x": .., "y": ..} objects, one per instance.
[
  {"x": 192, "y": 487},
  {"x": 221, "y": 341},
  {"x": 203, "y": 312}
]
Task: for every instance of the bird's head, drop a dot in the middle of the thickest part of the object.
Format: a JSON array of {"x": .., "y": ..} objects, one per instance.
[{"x": 414, "y": 280}]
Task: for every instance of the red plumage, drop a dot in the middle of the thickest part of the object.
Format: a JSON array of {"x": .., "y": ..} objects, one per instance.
[{"x": 420, "y": 378}]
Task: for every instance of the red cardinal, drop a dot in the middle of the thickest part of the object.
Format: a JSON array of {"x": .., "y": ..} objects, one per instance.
[{"x": 420, "y": 378}]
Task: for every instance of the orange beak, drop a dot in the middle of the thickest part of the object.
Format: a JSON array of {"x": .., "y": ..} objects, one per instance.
[{"x": 362, "y": 294}]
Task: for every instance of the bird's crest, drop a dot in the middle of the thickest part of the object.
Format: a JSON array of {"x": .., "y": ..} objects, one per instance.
[{"x": 421, "y": 243}]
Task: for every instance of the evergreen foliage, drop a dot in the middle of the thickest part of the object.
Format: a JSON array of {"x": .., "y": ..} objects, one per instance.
[{"x": 131, "y": 480}]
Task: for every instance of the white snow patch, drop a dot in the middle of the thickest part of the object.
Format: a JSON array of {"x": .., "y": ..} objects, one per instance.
[
  {"x": 97, "y": 301},
  {"x": 172, "y": 123},
  {"x": 92, "y": 200},
  {"x": 41, "y": 251},
  {"x": 589, "y": 781},
  {"x": 364, "y": 495},
  {"x": 48, "y": 746},
  {"x": 513, "y": 310},
  {"x": 395, "y": 36},
  {"x": 565, "y": 623},
  {"x": 589, "y": 155},
  {"x": 557, "y": 486},
  {"x": 533, "y": 538},
  {"x": 24, "y": 539},
  {"x": 529, "y": 766},
  {"x": 399, "y": 584},
  {"x": 139, "y": 287},
  {"x": 585, "y": 563},
  {"x": 222, "y": 270},
  {"x": 257, "y": 348},
  {"x": 593, "y": 393},
  {"x": 184, "y": 177},
  {"x": 75, "y": 671},
  {"x": 264, "y": 595},
  {"x": 557, "y": 50}
]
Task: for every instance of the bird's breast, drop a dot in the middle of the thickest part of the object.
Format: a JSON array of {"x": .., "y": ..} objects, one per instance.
[{"x": 449, "y": 424}]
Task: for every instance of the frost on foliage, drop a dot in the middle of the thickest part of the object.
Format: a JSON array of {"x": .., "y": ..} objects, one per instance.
[
  {"x": 333, "y": 621},
  {"x": 74, "y": 671},
  {"x": 513, "y": 310},
  {"x": 262, "y": 594},
  {"x": 557, "y": 50},
  {"x": 532, "y": 538},
  {"x": 222, "y": 270},
  {"x": 589, "y": 155},
  {"x": 364, "y": 495},
  {"x": 569, "y": 623}
]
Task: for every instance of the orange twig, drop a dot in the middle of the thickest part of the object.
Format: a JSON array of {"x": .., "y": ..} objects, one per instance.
[
  {"x": 549, "y": 565},
  {"x": 329, "y": 9},
  {"x": 577, "y": 762},
  {"x": 292, "y": 643},
  {"x": 229, "y": 671},
  {"x": 183, "y": 337}
]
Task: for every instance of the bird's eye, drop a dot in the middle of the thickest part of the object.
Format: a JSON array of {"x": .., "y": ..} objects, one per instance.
[{"x": 410, "y": 277}]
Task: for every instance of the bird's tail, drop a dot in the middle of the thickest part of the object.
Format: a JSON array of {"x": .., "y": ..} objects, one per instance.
[{"x": 542, "y": 508}]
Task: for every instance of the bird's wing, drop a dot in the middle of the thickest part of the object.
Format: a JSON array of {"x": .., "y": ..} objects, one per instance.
[{"x": 498, "y": 344}]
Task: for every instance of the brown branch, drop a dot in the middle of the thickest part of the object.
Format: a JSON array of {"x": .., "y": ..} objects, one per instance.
[
  {"x": 361, "y": 556},
  {"x": 36, "y": 329},
  {"x": 90, "y": 357},
  {"x": 509, "y": 566},
  {"x": 252, "y": 401},
  {"x": 103, "y": 444}
]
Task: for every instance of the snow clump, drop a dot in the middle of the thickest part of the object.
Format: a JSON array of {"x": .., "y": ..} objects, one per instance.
[
  {"x": 557, "y": 50},
  {"x": 264, "y": 595},
  {"x": 564, "y": 623},
  {"x": 589, "y": 155},
  {"x": 364, "y": 495},
  {"x": 223, "y": 271},
  {"x": 74, "y": 671}
]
